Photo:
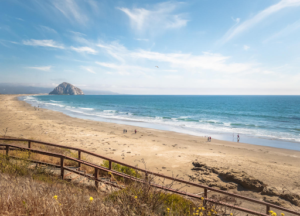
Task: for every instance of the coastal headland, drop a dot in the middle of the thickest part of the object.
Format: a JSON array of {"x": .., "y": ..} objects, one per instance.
[{"x": 165, "y": 152}]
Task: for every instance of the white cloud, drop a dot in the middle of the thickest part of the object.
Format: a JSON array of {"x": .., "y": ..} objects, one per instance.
[
  {"x": 244, "y": 26},
  {"x": 142, "y": 39},
  {"x": 237, "y": 20},
  {"x": 284, "y": 32},
  {"x": 161, "y": 17},
  {"x": 246, "y": 47},
  {"x": 48, "y": 29},
  {"x": 125, "y": 69},
  {"x": 43, "y": 43},
  {"x": 84, "y": 50},
  {"x": 88, "y": 69},
  {"x": 71, "y": 10},
  {"x": 44, "y": 68},
  {"x": 77, "y": 33},
  {"x": 183, "y": 62}
]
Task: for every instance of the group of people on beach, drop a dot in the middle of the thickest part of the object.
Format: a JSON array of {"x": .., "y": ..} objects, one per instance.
[
  {"x": 209, "y": 139},
  {"x": 125, "y": 131}
]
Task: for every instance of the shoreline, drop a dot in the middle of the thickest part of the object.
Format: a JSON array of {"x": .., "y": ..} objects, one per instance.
[
  {"x": 166, "y": 152},
  {"x": 218, "y": 135}
]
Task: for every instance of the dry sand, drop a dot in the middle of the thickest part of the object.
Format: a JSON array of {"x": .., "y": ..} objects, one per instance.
[{"x": 166, "y": 152}]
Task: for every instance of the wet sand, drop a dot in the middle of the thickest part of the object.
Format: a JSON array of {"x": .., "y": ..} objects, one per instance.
[{"x": 166, "y": 152}]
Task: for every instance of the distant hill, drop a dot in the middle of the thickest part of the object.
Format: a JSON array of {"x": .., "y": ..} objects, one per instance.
[
  {"x": 66, "y": 89},
  {"x": 7, "y": 88}
]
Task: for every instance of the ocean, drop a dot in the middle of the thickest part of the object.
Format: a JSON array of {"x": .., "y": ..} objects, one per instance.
[{"x": 260, "y": 120}]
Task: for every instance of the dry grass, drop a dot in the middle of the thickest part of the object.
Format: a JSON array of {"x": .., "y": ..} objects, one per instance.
[
  {"x": 25, "y": 196},
  {"x": 27, "y": 191}
]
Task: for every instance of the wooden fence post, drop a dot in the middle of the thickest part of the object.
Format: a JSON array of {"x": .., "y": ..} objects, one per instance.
[
  {"x": 267, "y": 209},
  {"x": 29, "y": 146},
  {"x": 7, "y": 152},
  {"x": 205, "y": 197},
  {"x": 96, "y": 177},
  {"x": 79, "y": 158},
  {"x": 109, "y": 165},
  {"x": 62, "y": 167}
]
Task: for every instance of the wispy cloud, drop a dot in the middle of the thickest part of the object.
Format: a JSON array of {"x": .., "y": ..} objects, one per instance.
[
  {"x": 79, "y": 34},
  {"x": 43, "y": 68},
  {"x": 284, "y": 32},
  {"x": 19, "y": 19},
  {"x": 71, "y": 10},
  {"x": 126, "y": 69},
  {"x": 160, "y": 17},
  {"x": 84, "y": 50},
  {"x": 48, "y": 29},
  {"x": 183, "y": 62},
  {"x": 43, "y": 43},
  {"x": 246, "y": 25},
  {"x": 236, "y": 20},
  {"x": 142, "y": 39},
  {"x": 245, "y": 47},
  {"x": 88, "y": 69}
]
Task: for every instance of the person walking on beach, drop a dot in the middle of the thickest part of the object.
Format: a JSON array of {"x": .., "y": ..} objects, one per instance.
[
  {"x": 135, "y": 131},
  {"x": 238, "y": 138}
]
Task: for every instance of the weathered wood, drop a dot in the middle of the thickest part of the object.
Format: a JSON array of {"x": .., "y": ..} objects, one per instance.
[
  {"x": 96, "y": 177},
  {"x": 7, "y": 150},
  {"x": 267, "y": 209},
  {"x": 62, "y": 170},
  {"x": 109, "y": 165},
  {"x": 79, "y": 158},
  {"x": 205, "y": 197}
]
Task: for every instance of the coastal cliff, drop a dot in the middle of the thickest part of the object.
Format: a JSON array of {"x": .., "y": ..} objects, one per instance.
[{"x": 66, "y": 89}]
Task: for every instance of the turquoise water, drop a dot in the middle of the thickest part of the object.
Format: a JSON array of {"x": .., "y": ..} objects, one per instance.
[{"x": 274, "y": 118}]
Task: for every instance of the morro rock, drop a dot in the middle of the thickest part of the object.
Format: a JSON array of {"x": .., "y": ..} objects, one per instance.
[{"x": 66, "y": 89}]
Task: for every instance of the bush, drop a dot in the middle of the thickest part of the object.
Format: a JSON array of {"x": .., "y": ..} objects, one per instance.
[
  {"x": 143, "y": 199},
  {"x": 122, "y": 169}
]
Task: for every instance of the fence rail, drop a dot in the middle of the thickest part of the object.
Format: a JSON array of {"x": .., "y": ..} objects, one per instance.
[{"x": 110, "y": 169}]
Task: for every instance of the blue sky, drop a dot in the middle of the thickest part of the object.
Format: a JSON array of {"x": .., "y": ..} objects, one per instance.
[{"x": 199, "y": 46}]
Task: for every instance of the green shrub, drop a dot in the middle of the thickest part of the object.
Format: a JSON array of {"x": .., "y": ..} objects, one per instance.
[
  {"x": 122, "y": 169},
  {"x": 143, "y": 199}
]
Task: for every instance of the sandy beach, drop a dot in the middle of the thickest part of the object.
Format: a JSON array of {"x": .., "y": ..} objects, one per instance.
[{"x": 166, "y": 152}]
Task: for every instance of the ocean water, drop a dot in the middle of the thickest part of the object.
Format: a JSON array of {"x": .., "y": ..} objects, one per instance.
[{"x": 263, "y": 120}]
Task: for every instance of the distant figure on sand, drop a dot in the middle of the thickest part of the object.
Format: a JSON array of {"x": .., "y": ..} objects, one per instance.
[
  {"x": 134, "y": 131},
  {"x": 238, "y": 138}
]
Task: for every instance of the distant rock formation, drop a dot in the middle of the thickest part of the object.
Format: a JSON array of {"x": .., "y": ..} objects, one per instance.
[{"x": 66, "y": 89}]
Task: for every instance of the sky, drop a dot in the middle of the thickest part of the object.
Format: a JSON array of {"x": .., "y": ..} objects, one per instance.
[{"x": 196, "y": 47}]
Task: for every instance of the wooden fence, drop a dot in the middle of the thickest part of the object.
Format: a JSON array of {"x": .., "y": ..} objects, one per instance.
[{"x": 95, "y": 177}]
